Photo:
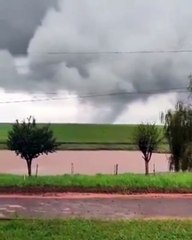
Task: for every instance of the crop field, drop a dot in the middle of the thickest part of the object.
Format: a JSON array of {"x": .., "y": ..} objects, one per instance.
[
  {"x": 85, "y": 133},
  {"x": 90, "y": 136}
]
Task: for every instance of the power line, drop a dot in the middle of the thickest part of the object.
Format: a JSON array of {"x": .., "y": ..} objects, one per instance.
[
  {"x": 151, "y": 91},
  {"x": 154, "y": 92},
  {"x": 112, "y": 52},
  {"x": 166, "y": 51}
]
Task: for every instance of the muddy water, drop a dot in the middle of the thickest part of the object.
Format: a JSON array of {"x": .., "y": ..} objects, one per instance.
[{"x": 84, "y": 162}]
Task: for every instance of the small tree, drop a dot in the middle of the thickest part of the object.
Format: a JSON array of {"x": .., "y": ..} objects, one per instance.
[
  {"x": 29, "y": 140},
  {"x": 148, "y": 136}
]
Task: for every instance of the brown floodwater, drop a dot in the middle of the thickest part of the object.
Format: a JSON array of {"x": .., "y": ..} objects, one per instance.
[{"x": 83, "y": 162}]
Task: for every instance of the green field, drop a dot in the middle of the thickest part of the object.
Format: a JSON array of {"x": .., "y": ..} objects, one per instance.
[
  {"x": 95, "y": 230},
  {"x": 85, "y": 133},
  {"x": 124, "y": 183},
  {"x": 90, "y": 136}
]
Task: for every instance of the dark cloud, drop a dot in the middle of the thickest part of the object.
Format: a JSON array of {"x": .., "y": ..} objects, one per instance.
[{"x": 18, "y": 22}]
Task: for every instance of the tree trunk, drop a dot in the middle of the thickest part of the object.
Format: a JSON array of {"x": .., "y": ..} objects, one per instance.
[
  {"x": 29, "y": 167},
  {"x": 177, "y": 164},
  {"x": 146, "y": 168}
]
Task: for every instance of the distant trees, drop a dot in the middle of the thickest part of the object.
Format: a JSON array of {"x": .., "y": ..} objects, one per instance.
[
  {"x": 29, "y": 140},
  {"x": 148, "y": 137}
]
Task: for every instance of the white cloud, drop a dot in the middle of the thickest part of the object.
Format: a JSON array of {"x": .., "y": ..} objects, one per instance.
[
  {"x": 148, "y": 111},
  {"x": 70, "y": 110}
]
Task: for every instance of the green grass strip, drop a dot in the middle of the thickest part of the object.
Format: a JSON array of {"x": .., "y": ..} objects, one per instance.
[
  {"x": 95, "y": 230},
  {"x": 121, "y": 183}
]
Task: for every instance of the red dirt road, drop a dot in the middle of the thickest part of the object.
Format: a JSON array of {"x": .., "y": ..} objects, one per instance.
[
  {"x": 97, "y": 206},
  {"x": 85, "y": 162}
]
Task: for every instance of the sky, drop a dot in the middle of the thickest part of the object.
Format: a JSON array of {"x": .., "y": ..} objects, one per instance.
[{"x": 73, "y": 61}]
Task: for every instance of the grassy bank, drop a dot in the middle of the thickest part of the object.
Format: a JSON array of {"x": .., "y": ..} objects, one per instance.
[
  {"x": 125, "y": 183},
  {"x": 89, "y": 136},
  {"x": 163, "y": 148},
  {"x": 95, "y": 230}
]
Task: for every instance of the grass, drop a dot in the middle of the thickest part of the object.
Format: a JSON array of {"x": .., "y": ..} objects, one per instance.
[
  {"x": 4, "y": 128},
  {"x": 90, "y": 136},
  {"x": 86, "y": 133},
  {"x": 125, "y": 183},
  {"x": 95, "y": 230}
]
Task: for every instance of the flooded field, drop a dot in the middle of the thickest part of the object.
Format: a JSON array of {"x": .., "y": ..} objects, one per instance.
[{"x": 83, "y": 162}]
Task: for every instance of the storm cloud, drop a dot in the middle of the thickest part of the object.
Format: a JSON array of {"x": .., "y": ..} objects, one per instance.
[
  {"x": 57, "y": 58},
  {"x": 18, "y": 22}
]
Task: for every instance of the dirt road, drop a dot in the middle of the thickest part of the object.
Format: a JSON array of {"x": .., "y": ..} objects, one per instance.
[
  {"x": 97, "y": 206},
  {"x": 84, "y": 162}
]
